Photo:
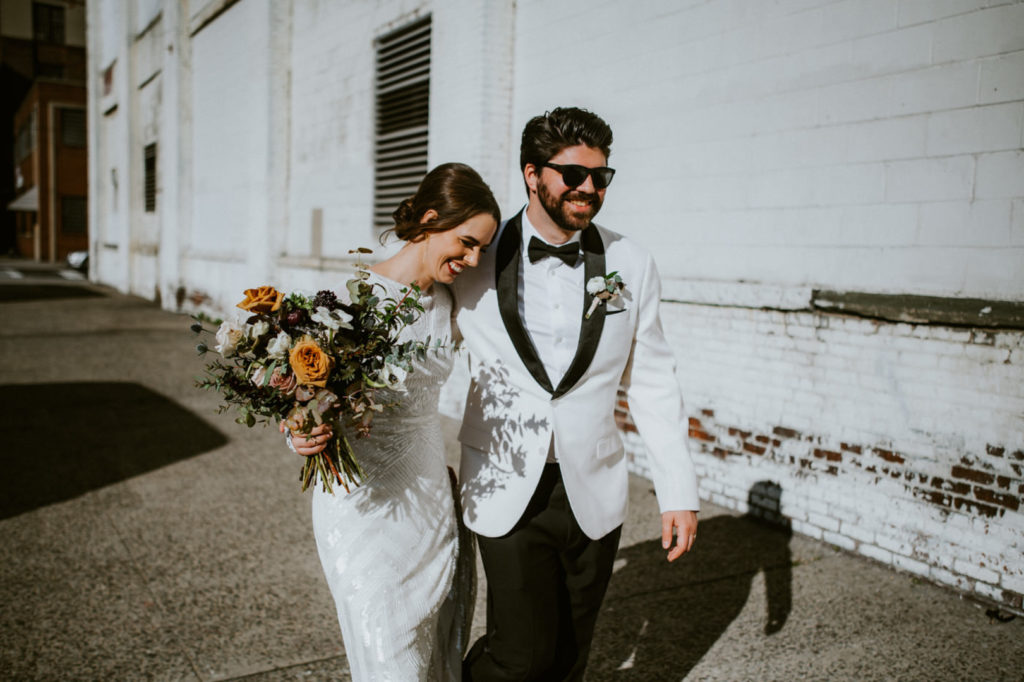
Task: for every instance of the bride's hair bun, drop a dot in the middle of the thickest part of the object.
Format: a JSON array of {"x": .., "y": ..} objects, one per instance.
[
  {"x": 404, "y": 215},
  {"x": 454, "y": 192}
]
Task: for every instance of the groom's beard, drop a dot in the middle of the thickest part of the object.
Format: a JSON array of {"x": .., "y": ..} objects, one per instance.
[{"x": 563, "y": 213}]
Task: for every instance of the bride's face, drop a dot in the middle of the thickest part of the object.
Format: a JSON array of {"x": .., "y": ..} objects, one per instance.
[{"x": 446, "y": 254}]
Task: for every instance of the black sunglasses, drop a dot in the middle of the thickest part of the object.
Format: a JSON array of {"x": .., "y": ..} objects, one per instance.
[{"x": 573, "y": 175}]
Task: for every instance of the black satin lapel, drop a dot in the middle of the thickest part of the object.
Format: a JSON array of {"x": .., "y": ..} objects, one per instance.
[
  {"x": 506, "y": 269},
  {"x": 590, "y": 330}
]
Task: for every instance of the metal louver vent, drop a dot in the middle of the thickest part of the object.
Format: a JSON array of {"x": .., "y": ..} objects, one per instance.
[
  {"x": 149, "y": 177},
  {"x": 403, "y": 106}
]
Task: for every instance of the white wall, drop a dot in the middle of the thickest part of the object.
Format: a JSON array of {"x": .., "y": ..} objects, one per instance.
[
  {"x": 763, "y": 149},
  {"x": 230, "y": 147},
  {"x": 866, "y": 145}
]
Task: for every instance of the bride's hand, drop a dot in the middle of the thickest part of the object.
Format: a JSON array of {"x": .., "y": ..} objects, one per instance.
[{"x": 313, "y": 442}]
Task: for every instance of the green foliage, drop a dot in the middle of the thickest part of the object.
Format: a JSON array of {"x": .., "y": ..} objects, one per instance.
[{"x": 256, "y": 378}]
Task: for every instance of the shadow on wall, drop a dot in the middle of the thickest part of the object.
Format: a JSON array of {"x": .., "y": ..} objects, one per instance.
[
  {"x": 64, "y": 440},
  {"x": 659, "y": 619}
]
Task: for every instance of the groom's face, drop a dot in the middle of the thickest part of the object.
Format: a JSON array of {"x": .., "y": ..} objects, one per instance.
[{"x": 571, "y": 208}]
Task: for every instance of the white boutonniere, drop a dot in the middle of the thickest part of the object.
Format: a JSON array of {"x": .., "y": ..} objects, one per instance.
[{"x": 603, "y": 288}]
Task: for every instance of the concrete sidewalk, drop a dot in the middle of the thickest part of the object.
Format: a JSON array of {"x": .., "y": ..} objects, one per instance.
[{"x": 147, "y": 537}]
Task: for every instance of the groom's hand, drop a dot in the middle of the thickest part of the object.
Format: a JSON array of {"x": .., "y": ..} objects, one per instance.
[{"x": 684, "y": 523}]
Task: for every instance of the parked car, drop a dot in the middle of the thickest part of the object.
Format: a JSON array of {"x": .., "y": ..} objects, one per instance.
[{"x": 79, "y": 260}]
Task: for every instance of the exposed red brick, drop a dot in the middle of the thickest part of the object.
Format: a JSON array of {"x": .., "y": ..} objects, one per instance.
[
  {"x": 1004, "y": 482},
  {"x": 1014, "y": 599},
  {"x": 828, "y": 454},
  {"x": 753, "y": 449},
  {"x": 721, "y": 453},
  {"x": 971, "y": 505},
  {"x": 890, "y": 456},
  {"x": 994, "y": 451},
  {"x": 832, "y": 470},
  {"x": 783, "y": 432},
  {"x": 850, "y": 448},
  {"x": 1019, "y": 454},
  {"x": 986, "y": 495},
  {"x": 762, "y": 439},
  {"x": 708, "y": 413},
  {"x": 624, "y": 405},
  {"x": 736, "y": 432},
  {"x": 871, "y": 469},
  {"x": 950, "y": 486},
  {"x": 701, "y": 435},
  {"x": 776, "y": 442},
  {"x": 695, "y": 423},
  {"x": 935, "y": 497},
  {"x": 973, "y": 475}
]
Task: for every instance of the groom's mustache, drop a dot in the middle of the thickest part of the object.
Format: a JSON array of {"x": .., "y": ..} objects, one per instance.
[{"x": 573, "y": 195}]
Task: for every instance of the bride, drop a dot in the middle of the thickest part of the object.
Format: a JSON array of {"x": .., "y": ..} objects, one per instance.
[{"x": 391, "y": 552}]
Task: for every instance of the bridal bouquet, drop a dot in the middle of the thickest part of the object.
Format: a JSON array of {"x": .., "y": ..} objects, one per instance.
[{"x": 313, "y": 360}]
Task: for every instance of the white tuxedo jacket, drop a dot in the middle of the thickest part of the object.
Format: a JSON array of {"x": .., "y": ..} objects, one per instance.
[{"x": 513, "y": 407}]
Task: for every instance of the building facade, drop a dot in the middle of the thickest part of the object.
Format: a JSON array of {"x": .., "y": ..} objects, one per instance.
[
  {"x": 833, "y": 190},
  {"x": 43, "y": 186},
  {"x": 51, "y": 172}
]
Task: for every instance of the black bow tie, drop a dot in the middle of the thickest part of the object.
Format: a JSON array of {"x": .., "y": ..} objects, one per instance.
[{"x": 567, "y": 253}]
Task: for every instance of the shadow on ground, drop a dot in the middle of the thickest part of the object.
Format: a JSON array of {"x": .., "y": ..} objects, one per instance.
[
  {"x": 63, "y": 440},
  {"x": 659, "y": 620},
  {"x": 39, "y": 292}
]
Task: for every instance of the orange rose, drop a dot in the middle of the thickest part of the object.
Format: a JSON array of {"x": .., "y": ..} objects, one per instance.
[
  {"x": 262, "y": 300},
  {"x": 310, "y": 363}
]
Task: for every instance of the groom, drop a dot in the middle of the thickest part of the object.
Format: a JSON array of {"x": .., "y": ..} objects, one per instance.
[{"x": 543, "y": 471}]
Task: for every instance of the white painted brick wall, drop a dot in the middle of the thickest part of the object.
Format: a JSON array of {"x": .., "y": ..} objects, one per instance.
[
  {"x": 764, "y": 149},
  {"x": 742, "y": 114},
  {"x": 878, "y": 447}
]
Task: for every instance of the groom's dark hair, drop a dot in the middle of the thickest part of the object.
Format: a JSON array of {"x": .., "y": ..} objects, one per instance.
[{"x": 545, "y": 136}]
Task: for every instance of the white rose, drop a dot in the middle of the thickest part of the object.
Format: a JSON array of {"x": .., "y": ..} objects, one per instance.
[
  {"x": 259, "y": 329},
  {"x": 332, "y": 319},
  {"x": 279, "y": 345},
  {"x": 228, "y": 337},
  {"x": 595, "y": 285}
]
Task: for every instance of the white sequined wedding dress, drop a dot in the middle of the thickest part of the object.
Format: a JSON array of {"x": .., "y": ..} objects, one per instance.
[{"x": 401, "y": 575}]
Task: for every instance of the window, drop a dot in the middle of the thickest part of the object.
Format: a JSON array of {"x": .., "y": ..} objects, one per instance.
[
  {"x": 47, "y": 70},
  {"x": 108, "y": 79},
  {"x": 25, "y": 139},
  {"x": 26, "y": 222},
  {"x": 73, "y": 215},
  {"x": 72, "y": 127},
  {"x": 149, "y": 161},
  {"x": 403, "y": 104},
  {"x": 48, "y": 23}
]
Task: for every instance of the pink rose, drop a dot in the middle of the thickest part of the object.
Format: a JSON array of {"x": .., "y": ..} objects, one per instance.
[{"x": 285, "y": 383}]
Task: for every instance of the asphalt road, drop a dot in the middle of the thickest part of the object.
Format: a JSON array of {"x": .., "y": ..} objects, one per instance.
[{"x": 147, "y": 537}]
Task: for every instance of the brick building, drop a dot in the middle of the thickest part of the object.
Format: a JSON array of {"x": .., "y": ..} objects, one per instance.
[
  {"x": 834, "y": 191},
  {"x": 43, "y": 187},
  {"x": 50, "y": 162}
]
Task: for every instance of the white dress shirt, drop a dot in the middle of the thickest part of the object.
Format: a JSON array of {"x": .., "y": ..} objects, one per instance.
[{"x": 550, "y": 300}]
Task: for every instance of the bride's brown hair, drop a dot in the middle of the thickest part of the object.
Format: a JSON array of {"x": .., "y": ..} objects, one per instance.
[{"x": 454, "y": 191}]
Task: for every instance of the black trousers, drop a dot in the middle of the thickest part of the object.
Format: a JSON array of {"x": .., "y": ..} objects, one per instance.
[{"x": 545, "y": 583}]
